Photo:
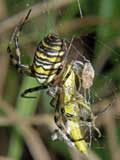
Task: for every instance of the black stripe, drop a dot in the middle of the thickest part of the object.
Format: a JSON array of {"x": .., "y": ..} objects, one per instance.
[
  {"x": 39, "y": 77},
  {"x": 45, "y": 49},
  {"x": 36, "y": 58},
  {"x": 54, "y": 38},
  {"x": 38, "y": 74},
  {"x": 49, "y": 53},
  {"x": 51, "y": 69},
  {"x": 74, "y": 140},
  {"x": 70, "y": 138},
  {"x": 41, "y": 48},
  {"x": 53, "y": 43},
  {"x": 44, "y": 59},
  {"x": 42, "y": 76}
]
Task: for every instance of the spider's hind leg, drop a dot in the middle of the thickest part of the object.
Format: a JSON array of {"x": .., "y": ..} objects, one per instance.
[{"x": 30, "y": 90}]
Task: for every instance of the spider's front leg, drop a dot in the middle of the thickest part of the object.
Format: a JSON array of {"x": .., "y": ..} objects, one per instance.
[{"x": 16, "y": 58}]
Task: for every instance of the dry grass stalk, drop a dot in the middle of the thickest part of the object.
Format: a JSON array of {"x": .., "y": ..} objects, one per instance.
[{"x": 37, "y": 9}]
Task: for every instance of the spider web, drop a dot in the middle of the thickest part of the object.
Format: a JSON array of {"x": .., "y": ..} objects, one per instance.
[{"x": 104, "y": 58}]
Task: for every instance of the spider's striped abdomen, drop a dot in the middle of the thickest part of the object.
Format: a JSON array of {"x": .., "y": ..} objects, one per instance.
[{"x": 48, "y": 58}]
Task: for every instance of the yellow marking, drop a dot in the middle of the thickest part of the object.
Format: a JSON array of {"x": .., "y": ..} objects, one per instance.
[
  {"x": 57, "y": 48},
  {"x": 42, "y": 71},
  {"x": 69, "y": 109},
  {"x": 61, "y": 53},
  {"x": 72, "y": 108},
  {"x": 76, "y": 134},
  {"x": 82, "y": 103},
  {"x": 50, "y": 59},
  {"x": 69, "y": 85}
]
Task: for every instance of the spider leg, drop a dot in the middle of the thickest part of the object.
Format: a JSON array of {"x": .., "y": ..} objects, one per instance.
[
  {"x": 30, "y": 90},
  {"x": 53, "y": 102},
  {"x": 16, "y": 34},
  {"x": 16, "y": 59}
]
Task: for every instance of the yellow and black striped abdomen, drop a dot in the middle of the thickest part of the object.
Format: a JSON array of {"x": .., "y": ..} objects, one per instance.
[{"x": 48, "y": 58}]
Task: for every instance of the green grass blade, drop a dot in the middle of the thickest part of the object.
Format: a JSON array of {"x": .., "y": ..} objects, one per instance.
[{"x": 25, "y": 107}]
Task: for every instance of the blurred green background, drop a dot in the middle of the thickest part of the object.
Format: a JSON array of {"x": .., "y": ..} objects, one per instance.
[{"x": 26, "y": 125}]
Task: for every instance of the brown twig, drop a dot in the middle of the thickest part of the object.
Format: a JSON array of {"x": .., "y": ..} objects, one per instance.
[
  {"x": 110, "y": 128},
  {"x": 37, "y": 9},
  {"x": 13, "y": 118},
  {"x": 3, "y": 71},
  {"x": 5, "y": 158},
  {"x": 2, "y": 9},
  {"x": 32, "y": 139},
  {"x": 94, "y": 156},
  {"x": 44, "y": 119},
  {"x": 34, "y": 143},
  {"x": 79, "y": 23},
  {"x": 76, "y": 155}
]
